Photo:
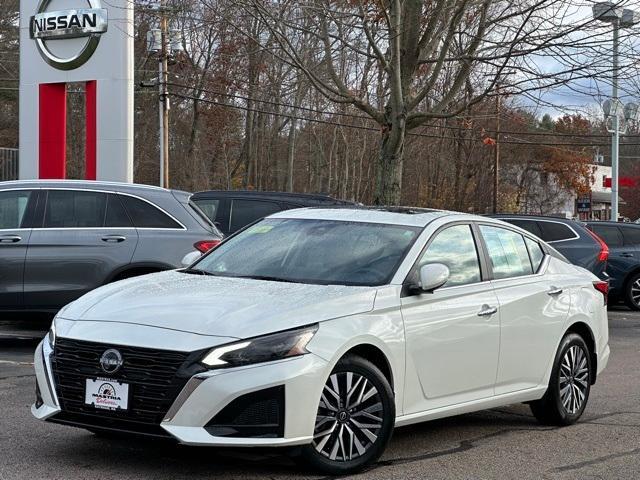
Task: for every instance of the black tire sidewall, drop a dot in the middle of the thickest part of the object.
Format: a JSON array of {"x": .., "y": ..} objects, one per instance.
[
  {"x": 374, "y": 375},
  {"x": 568, "y": 341},
  {"x": 627, "y": 294}
]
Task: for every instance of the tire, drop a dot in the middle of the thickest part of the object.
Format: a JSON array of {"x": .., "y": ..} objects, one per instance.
[
  {"x": 350, "y": 444},
  {"x": 632, "y": 289},
  {"x": 571, "y": 371}
]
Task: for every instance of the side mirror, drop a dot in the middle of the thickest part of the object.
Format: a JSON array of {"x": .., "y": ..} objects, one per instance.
[
  {"x": 433, "y": 276},
  {"x": 190, "y": 258}
]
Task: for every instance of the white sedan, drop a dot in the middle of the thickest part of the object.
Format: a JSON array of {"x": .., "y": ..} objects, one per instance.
[{"x": 324, "y": 329}]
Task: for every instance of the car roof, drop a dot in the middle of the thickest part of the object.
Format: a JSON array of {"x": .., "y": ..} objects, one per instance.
[
  {"x": 547, "y": 218},
  {"x": 408, "y": 216},
  {"x": 281, "y": 196},
  {"x": 612, "y": 223},
  {"x": 85, "y": 184}
]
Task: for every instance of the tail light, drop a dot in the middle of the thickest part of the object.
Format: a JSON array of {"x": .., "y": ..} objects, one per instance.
[
  {"x": 603, "y": 256},
  {"x": 205, "y": 245},
  {"x": 603, "y": 287}
]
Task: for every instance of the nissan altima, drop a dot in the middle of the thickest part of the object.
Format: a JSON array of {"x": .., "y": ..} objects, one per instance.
[{"x": 323, "y": 329}]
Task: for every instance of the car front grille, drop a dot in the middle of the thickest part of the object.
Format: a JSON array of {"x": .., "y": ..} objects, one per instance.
[{"x": 155, "y": 378}]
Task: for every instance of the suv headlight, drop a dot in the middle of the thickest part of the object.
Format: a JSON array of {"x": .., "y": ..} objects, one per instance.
[{"x": 276, "y": 346}]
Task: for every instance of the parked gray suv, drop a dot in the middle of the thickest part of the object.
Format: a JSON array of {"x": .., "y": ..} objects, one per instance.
[{"x": 61, "y": 239}]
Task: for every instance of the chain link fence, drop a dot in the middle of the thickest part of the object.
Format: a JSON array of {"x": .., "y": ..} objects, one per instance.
[{"x": 8, "y": 164}]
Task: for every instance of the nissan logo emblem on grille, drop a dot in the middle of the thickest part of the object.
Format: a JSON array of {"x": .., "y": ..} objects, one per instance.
[
  {"x": 111, "y": 361},
  {"x": 48, "y": 26}
]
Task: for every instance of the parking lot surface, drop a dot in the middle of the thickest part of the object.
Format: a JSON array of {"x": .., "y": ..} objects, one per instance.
[{"x": 501, "y": 443}]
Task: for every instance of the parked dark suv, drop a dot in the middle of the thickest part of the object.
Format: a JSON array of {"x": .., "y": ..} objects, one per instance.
[
  {"x": 60, "y": 239},
  {"x": 233, "y": 209},
  {"x": 571, "y": 238},
  {"x": 623, "y": 240}
]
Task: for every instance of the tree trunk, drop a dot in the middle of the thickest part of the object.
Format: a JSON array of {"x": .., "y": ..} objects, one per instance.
[
  {"x": 291, "y": 150},
  {"x": 247, "y": 151},
  {"x": 390, "y": 163}
]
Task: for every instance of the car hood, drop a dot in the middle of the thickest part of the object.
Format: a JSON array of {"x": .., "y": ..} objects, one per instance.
[{"x": 220, "y": 306}]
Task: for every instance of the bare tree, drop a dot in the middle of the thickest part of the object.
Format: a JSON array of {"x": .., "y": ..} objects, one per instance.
[
  {"x": 406, "y": 63},
  {"x": 9, "y": 33}
]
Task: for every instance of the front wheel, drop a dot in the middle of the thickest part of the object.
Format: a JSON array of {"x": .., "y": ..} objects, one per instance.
[
  {"x": 569, "y": 385},
  {"x": 354, "y": 421}
]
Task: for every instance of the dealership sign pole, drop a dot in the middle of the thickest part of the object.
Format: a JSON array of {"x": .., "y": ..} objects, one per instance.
[{"x": 64, "y": 41}]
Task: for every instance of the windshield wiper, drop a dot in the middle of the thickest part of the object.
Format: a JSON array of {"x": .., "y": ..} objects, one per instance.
[
  {"x": 197, "y": 271},
  {"x": 267, "y": 278}
]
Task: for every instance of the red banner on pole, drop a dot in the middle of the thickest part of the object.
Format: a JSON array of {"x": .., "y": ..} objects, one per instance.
[
  {"x": 52, "y": 130},
  {"x": 622, "y": 182}
]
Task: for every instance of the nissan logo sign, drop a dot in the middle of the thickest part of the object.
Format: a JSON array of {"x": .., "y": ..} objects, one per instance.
[
  {"x": 46, "y": 26},
  {"x": 111, "y": 361}
]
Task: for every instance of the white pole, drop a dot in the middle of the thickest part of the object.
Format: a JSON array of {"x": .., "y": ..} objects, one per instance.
[{"x": 616, "y": 127}]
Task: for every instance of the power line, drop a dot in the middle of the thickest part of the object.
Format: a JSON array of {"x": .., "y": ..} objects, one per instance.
[
  {"x": 366, "y": 118},
  {"x": 363, "y": 127}
]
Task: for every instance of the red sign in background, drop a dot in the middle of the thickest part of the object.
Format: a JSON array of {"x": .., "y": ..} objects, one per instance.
[{"x": 622, "y": 181}]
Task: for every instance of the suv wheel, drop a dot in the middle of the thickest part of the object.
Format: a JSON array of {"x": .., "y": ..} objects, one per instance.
[
  {"x": 632, "y": 294},
  {"x": 354, "y": 421},
  {"x": 569, "y": 385}
]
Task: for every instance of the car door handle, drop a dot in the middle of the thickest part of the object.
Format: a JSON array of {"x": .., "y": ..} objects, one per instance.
[
  {"x": 487, "y": 311},
  {"x": 10, "y": 239},
  {"x": 554, "y": 291},
  {"x": 626, "y": 254},
  {"x": 114, "y": 238}
]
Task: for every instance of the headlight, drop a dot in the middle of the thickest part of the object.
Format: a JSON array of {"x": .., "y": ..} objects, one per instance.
[
  {"x": 268, "y": 348},
  {"x": 51, "y": 336}
]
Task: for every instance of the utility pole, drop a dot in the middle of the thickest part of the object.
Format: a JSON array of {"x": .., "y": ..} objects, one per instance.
[
  {"x": 496, "y": 158},
  {"x": 163, "y": 79},
  {"x": 164, "y": 43},
  {"x": 615, "y": 137},
  {"x": 618, "y": 17}
]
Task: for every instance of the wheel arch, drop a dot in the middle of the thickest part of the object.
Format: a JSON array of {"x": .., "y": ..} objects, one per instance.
[
  {"x": 375, "y": 355},
  {"x": 625, "y": 282},
  {"x": 584, "y": 330},
  {"x": 135, "y": 269}
]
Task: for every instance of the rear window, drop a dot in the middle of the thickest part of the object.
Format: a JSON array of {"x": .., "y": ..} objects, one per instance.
[
  {"x": 244, "y": 212},
  {"x": 631, "y": 235},
  {"x": 535, "y": 253},
  {"x": 13, "y": 205},
  {"x": 208, "y": 206},
  {"x": 530, "y": 226},
  {"x": 116, "y": 215},
  {"x": 507, "y": 251},
  {"x": 145, "y": 215},
  {"x": 610, "y": 234},
  {"x": 75, "y": 209},
  {"x": 555, "y": 231}
]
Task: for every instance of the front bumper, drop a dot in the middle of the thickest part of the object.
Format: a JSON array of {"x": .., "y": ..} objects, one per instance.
[
  {"x": 206, "y": 394},
  {"x": 603, "y": 359}
]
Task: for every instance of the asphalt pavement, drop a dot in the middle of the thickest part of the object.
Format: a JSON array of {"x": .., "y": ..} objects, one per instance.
[{"x": 503, "y": 443}]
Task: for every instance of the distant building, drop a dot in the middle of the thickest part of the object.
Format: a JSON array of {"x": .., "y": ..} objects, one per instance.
[{"x": 597, "y": 204}]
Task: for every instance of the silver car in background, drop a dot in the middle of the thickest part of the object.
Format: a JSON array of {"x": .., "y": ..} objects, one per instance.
[{"x": 61, "y": 239}]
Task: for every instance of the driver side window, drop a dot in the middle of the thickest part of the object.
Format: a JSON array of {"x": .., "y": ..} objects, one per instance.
[{"x": 455, "y": 247}]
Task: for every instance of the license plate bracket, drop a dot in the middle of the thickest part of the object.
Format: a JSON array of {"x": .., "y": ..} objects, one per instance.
[{"x": 106, "y": 394}]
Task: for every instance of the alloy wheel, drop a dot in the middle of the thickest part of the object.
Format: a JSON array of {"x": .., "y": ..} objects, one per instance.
[
  {"x": 635, "y": 292},
  {"x": 574, "y": 379},
  {"x": 349, "y": 418}
]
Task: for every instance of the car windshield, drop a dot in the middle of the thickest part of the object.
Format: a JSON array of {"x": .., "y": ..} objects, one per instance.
[{"x": 312, "y": 251}]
